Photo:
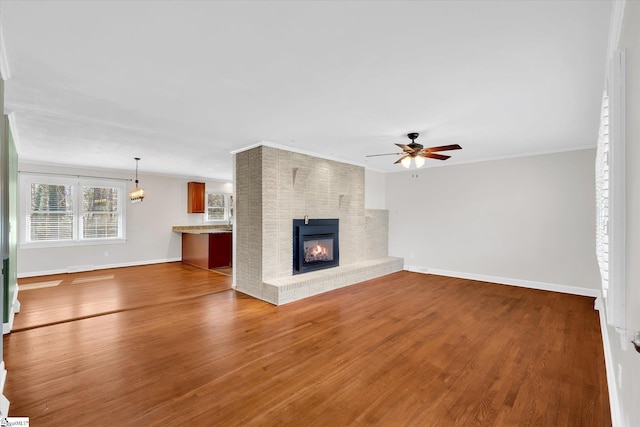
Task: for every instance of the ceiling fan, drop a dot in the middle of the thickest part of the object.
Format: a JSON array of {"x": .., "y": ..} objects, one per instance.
[{"x": 417, "y": 152}]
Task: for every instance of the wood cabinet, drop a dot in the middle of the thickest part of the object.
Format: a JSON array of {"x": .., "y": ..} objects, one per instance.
[
  {"x": 195, "y": 249},
  {"x": 195, "y": 197},
  {"x": 207, "y": 250},
  {"x": 220, "y": 248}
]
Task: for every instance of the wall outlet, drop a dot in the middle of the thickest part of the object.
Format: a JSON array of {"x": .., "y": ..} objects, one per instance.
[
  {"x": 411, "y": 255},
  {"x": 106, "y": 253}
]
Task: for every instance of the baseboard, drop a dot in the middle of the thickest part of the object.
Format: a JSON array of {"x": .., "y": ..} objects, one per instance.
[
  {"x": 614, "y": 399},
  {"x": 4, "y": 402},
  {"x": 565, "y": 289},
  {"x": 76, "y": 269}
]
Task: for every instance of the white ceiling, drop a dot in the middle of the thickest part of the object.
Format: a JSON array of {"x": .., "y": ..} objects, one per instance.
[{"x": 181, "y": 84}]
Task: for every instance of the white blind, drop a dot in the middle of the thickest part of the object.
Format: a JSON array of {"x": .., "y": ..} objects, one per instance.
[
  {"x": 100, "y": 212},
  {"x": 610, "y": 167},
  {"x": 602, "y": 195},
  {"x": 51, "y": 213},
  {"x": 216, "y": 207},
  {"x": 63, "y": 210}
]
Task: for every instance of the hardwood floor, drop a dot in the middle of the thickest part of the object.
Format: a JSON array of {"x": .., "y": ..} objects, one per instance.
[
  {"x": 93, "y": 293},
  {"x": 404, "y": 349}
]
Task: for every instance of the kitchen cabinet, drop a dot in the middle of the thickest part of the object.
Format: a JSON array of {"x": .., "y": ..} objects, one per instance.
[
  {"x": 195, "y": 197},
  {"x": 207, "y": 250},
  {"x": 220, "y": 250}
]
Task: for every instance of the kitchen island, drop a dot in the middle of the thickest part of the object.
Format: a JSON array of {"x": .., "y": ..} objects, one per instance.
[{"x": 206, "y": 246}]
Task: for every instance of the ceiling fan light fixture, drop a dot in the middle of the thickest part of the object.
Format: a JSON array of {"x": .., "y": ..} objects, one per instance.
[
  {"x": 417, "y": 151},
  {"x": 406, "y": 162}
]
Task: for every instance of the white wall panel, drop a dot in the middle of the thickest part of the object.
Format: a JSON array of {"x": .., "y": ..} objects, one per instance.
[
  {"x": 529, "y": 218},
  {"x": 374, "y": 190}
]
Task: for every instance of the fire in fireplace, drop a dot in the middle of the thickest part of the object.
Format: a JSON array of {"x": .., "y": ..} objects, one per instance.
[
  {"x": 315, "y": 244},
  {"x": 318, "y": 250}
]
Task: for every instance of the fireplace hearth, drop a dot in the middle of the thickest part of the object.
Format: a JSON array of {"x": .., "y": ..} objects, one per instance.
[{"x": 315, "y": 244}]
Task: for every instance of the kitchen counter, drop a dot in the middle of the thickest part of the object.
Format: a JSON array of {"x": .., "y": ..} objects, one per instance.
[
  {"x": 206, "y": 246},
  {"x": 202, "y": 229}
]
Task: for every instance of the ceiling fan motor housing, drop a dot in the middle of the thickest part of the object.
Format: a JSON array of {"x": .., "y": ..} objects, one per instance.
[{"x": 414, "y": 145}]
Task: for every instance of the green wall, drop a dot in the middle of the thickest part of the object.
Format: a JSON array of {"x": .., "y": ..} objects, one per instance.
[
  {"x": 4, "y": 205},
  {"x": 11, "y": 265}
]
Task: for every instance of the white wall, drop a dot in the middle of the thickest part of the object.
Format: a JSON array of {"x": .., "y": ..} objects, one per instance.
[
  {"x": 528, "y": 219},
  {"x": 149, "y": 235},
  {"x": 374, "y": 190},
  {"x": 625, "y": 361}
]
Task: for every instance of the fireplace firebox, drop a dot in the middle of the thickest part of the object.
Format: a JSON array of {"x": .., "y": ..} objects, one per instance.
[{"x": 315, "y": 244}]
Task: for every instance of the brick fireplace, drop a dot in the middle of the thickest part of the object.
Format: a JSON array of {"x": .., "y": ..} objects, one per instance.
[{"x": 273, "y": 188}]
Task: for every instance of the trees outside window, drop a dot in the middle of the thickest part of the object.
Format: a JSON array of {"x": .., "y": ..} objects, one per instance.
[
  {"x": 61, "y": 210},
  {"x": 219, "y": 207}
]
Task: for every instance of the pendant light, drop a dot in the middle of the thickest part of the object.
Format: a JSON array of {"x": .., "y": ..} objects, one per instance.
[{"x": 136, "y": 195}]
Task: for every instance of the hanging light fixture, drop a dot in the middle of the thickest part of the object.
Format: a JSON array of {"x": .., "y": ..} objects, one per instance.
[
  {"x": 406, "y": 162},
  {"x": 136, "y": 195}
]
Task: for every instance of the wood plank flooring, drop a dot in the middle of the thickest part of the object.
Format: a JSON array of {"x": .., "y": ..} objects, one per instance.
[
  {"x": 405, "y": 349},
  {"x": 93, "y": 293}
]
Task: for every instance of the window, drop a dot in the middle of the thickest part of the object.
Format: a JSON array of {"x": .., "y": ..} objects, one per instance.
[
  {"x": 60, "y": 210},
  {"x": 602, "y": 195},
  {"x": 219, "y": 207},
  {"x": 51, "y": 212},
  {"x": 100, "y": 212},
  {"x": 611, "y": 194}
]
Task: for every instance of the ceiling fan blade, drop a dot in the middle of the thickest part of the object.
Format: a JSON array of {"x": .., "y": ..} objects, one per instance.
[
  {"x": 435, "y": 156},
  {"x": 400, "y": 159},
  {"x": 443, "y": 148},
  {"x": 388, "y": 154},
  {"x": 405, "y": 148}
]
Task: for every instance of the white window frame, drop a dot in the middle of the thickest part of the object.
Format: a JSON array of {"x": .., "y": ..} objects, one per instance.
[
  {"x": 27, "y": 179},
  {"x": 227, "y": 208},
  {"x": 610, "y": 195}
]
